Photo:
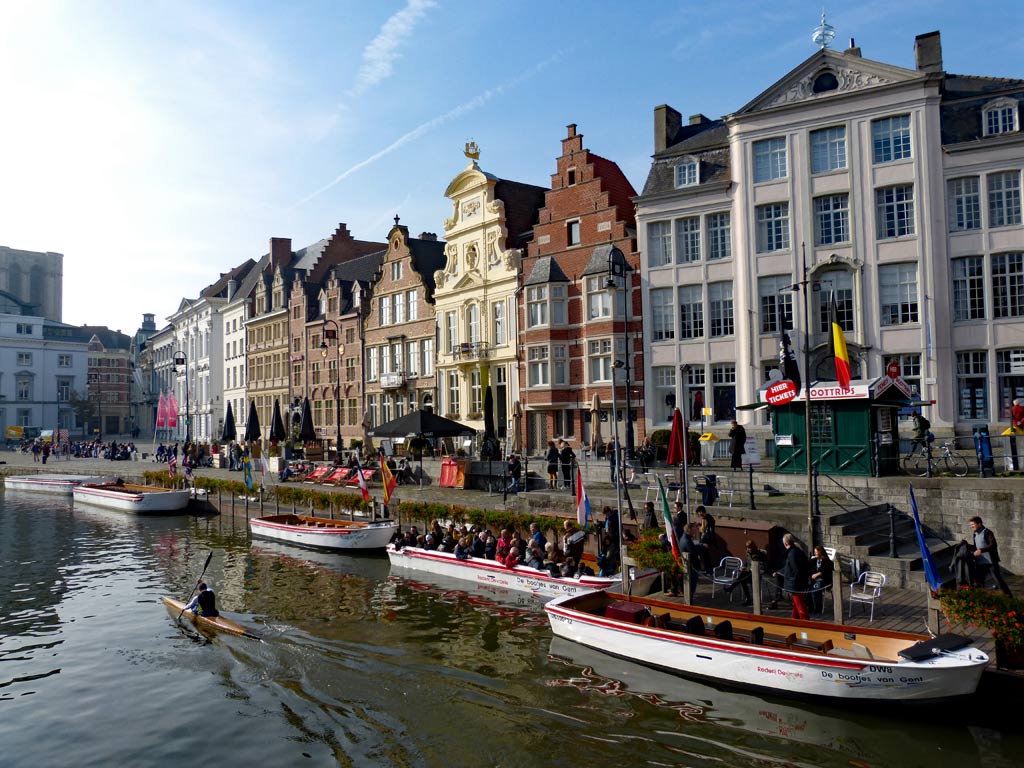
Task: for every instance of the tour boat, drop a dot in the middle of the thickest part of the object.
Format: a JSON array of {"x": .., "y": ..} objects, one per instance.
[
  {"x": 324, "y": 533},
  {"x": 219, "y": 623},
  {"x": 61, "y": 485},
  {"x": 482, "y": 571},
  {"x": 141, "y": 499},
  {"x": 784, "y": 656}
]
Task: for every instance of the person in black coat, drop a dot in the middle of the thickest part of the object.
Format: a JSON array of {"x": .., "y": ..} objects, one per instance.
[
  {"x": 551, "y": 457},
  {"x": 566, "y": 458},
  {"x": 737, "y": 446},
  {"x": 795, "y": 574},
  {"x": 822, "y": 569}
]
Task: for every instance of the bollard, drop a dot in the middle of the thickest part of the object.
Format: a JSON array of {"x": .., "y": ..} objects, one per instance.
[
  {"x": 755, "y": 585},
  {"x": 892, "y": 531},
  {"x": 837, "y": 592}
]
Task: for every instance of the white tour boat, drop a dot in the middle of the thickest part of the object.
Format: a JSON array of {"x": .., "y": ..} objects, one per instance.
[
  {"x": 125, "y": 497},
  {"x": 324, "y": 533},
  {"x": 61, "y": 485}
]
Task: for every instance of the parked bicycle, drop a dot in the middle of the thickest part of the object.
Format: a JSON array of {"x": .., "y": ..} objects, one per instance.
[{"x": 943, "y": 460}]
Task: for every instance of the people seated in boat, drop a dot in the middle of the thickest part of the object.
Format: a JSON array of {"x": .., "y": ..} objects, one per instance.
[
  {"x": 504, "y": 544},
  {"x": 822, "y": 569},
  {"x": 535, "y": 555},
  {"x": 204, "y": 603},
  {"x": 480, "y": 544},
  {"x": 449, "y": 541},
  {"x": 795, "y": 573},
  {"x": 743, "y": 580},
  {"x": 573, "y": 540},
  {"x": 512, "y": 558},
  {"x": 568, "y": 568},
  {"x": 398, "y": 538},
  {"x": 464, "y": 549},
  {"x": 537, "y": 535},
  {"x": 518, "y": 543},
  {"x": 429, "y": 542}
]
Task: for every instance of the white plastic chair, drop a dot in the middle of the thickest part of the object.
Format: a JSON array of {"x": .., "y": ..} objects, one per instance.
[
  {"x": 867, "y": 589},
  {"x": 726, "y": 573}
]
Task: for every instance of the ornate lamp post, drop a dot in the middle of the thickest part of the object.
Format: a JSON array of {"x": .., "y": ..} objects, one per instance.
[
  {"x": 180, "y": 359},
  {"x": 334, "y": 333},
  {"x": 611, "y": 285}
]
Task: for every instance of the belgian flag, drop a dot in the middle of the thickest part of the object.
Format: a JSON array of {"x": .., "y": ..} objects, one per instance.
[{"x": 838, "y": 343}]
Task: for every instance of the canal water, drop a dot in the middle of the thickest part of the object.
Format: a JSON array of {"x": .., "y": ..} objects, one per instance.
[{"x": 360, "y": 666}]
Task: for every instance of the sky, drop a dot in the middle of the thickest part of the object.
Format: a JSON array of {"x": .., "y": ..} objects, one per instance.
[{"x": 159, "y": 144}]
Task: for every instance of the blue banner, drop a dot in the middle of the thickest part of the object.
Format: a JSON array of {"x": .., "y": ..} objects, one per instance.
[{"x": 930, "y": 571}]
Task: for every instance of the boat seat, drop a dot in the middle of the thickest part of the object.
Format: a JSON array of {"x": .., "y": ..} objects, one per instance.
[
  {"x": 804, "y": 644},
  {"x": 861, "y": 651},
  {"x": 757, "y": 636},
  {"x": 783, "y": 640},
  {"x": 723, "y": 630},
  {"x": 695, "y": 626}
]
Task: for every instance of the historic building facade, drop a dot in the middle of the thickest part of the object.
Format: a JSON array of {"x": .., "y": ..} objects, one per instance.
[
  {"x": 109, "y": 379},
  {"x": 475, "y": 295},
  {"x": 31, "y": 283},
  {"x": 400, "y": 328},
  {"x": 897, "y": 190},
  {"x": 574, "y": 324}
]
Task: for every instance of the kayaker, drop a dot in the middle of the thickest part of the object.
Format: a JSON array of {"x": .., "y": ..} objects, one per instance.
[{"x": 204, "y": 603}]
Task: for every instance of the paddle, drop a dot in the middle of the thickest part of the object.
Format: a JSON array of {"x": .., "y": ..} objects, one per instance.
[{"x": 209, "y": 557}]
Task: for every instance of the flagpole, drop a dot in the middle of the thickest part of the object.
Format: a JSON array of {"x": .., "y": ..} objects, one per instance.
[{"x": 807, "y": 399}]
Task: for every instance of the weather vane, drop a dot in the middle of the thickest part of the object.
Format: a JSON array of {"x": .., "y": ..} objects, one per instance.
[
  {"x": 824, "y": 33},
  {"x": 472, "y": 151}
]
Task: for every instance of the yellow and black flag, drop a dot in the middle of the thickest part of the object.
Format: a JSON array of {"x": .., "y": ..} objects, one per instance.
[{"x": 838, "y": 341}]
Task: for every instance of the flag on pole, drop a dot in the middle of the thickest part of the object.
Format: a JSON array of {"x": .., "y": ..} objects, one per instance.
[
  {"x": 264, "y": 468},
  {"x": 389, "y": 480},
  {"x": 172, "y": 466},
  {"x": 172, "y": 410},
  {"x": 161, "y": 412},
  {"x": 787, "y": 359},
  {"x": 188, "y": 469},
  {"x": 582, "y": 500},
  {"x": 670, "y": 530},
  {"x": 363, "y": 487},
  {"x": 839, "y": 346},
  {"x": 247, "y": 471},
  {"x": 930, "y": 572}
]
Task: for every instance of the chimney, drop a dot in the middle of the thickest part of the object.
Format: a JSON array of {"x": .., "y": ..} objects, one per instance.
[
  {"x": 853, "y": 50},
  {"x": 928, "y": 52},
  {"x": 432, "y": 236},
  {"x": 232, "y": 289},
  {"x": 667, "y": 123},
  {"x": 280, "y": 252},
  {"x": 698, "y": 119},
  {"x": 572, "y": 129}
]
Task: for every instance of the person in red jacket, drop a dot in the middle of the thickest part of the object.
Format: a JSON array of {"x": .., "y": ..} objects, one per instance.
[{"x": 512, "y": 558}]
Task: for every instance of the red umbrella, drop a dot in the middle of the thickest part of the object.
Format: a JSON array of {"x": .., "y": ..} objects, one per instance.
[{"x": 676, "y": 440}]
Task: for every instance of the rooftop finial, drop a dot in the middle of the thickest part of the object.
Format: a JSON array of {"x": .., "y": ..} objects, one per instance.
[
  {"x": 472, "y": 151},
  {"x": 824, "y": 33},
  {"x": 396, "y": 219}
]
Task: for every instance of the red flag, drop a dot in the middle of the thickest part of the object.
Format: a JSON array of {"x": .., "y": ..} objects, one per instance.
[
  {"x": 839, "y": 346},
  {"x": 362, "y": 482},
  {"x": 389, "y": 480},
  {"x": 161, "y": 412},
  {"x": 172, "y": 410}
]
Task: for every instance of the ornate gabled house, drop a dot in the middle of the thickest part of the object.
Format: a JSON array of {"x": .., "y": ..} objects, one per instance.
[
  {"x": 475, "y": 295},
  {"x": 109, "y": 381},
  {"x": 400, "y": 328},
  {"x": 897, "y": 190},
  {"x": 572, "y": 329}
]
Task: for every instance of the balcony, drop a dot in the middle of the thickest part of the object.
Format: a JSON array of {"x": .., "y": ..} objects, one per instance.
[
  {"x": 392, "y": 380},
  {"x": 474, "y": 350}
]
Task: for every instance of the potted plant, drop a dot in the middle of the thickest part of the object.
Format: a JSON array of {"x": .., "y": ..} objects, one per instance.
[{"x": 994, "y": 611}]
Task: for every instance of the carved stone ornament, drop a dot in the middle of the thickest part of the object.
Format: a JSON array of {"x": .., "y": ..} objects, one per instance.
[
  {"x": 493, "y": 257},
  {"x": 470, "y": 208},
  {"x": 513, "y": 258},
  {"x": 849, "y": 80},
  {"x": 439, "y": 278},
  {"x": 472, "y": 256},
  {"x": 452, "y": 252}
]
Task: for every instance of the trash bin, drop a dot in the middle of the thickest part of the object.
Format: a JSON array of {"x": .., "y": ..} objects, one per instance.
[{"x": 983, "y": 450}]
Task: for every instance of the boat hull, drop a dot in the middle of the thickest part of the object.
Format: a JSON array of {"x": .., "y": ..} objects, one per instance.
[
  {"x": 780, "y": 670},
  {"x": 321, "y": 533},
  {"x": 218, "y": 623},
  {"x": 137, "y": 499},
  {"x": 58, "y": 485},
  {"x": 494, "y": 574}
]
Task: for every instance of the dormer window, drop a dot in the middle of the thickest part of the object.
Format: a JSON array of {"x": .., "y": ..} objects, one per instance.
[
  {"x": 1000, "y": 116},
  {"x": 687, "y": 173}
]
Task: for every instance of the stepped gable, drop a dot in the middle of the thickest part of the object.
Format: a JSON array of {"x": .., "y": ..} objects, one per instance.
[{"x": 340, "y": 248}]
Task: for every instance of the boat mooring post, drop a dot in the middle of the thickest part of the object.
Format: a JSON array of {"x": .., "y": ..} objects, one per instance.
[
  {"x": 892, "y": 531},
  {"x": 755, "y": 585}
]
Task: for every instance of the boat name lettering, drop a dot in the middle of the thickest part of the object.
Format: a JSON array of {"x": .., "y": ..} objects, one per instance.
[
  {"x": 783, "y": 672},
  {"x": 887, "y": 670},
  {"x": 911, "y": 679}
]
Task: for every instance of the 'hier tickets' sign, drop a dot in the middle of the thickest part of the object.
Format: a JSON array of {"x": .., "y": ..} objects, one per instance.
[{"x": 781, "y": 392}]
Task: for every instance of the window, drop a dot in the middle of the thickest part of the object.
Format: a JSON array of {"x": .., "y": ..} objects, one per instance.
[
  {"x": 770, "y": 159},
  {"x": 1008, "y": 285},
  {"x": 23, "y": 389},
  {"x": 473, "y": 323},
  {"x": 719, "y": 236},
  {"x": 1004, "y": 199},
  {"x": 897, "y": 289},
  {"x": 536, "y": 306},
  {"x": 599, "y": 304},
  {"x": 427, "y": 350},
  {"x": 664, "y": 393},
  {"x": 687, "y": 173},
  {"x": 890, "y": 138},
  {"x": 353, "y": 411},
  {"x": 894, "y": 211},
  {"x": 723, "y": 389},
  {"x": 836, "y": 285},
  {"x": 572, "y": 232},
  {"x": 772, "y": 227},
  {"x": 560, "y": 365},
  {"x": 720, "y": 309},
  {"x": 537, "y": 366},
  {"x": 600, "y": 360},
  {"x": 315, "y": 371},
  {"x": 385, "y": 310},
  {"x": 832, "y": 219},
  {"x": 662, "y": 314},
  {"x": 63, "y": 361},
  {"x": 968, "y": 289},
  {"x": 453, "y": 392},
  {"x": 398, "y": 308},
  {"x": 571, "y": 176},
  {"x": 972, "y": 384},
  {"x": 411, "y": 306},
  {"x": 999, "y": 117},
  {"x": 451, "y": 335},
  {"x": 24, "y": 358},
  {"x": 396, "y": 270},
  {"x": 828, "y": 149},
  {"x": 688, "y": 240},
  {"x": 559, "y": 313},
  {"x": 372, "y": 363},
  {"x": 964, "y": 203},
  {"x": 412, "y": 359},
  {"x": 776, "y": 299},
  {"x": 500, "y": 327},
  {"x": 659, "y": 243},
  {"x": 386, "y": 401},
  {"x": 1010, "y": 373},
  {"x": 691, "y": 312},
  {"x": 476, "y": 396},
  {"x": 24, "y": 329},
  {"x": 350, "y": 369}
]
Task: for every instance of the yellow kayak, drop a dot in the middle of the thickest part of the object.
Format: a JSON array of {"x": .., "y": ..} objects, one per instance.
[{"x": 218, "y": 623}]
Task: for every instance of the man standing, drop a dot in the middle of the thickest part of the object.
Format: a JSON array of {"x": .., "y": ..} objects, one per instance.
[
  {"x": 795, "y": 576},
  {"x": 738, "y": 438},
  {"x": 986, "y": 556}
]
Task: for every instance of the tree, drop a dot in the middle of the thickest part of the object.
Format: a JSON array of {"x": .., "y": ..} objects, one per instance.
[{"x": 86, "y": 410}]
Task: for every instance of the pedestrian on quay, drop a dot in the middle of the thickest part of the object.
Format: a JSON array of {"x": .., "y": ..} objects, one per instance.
[{"x": 986, "y": 556}]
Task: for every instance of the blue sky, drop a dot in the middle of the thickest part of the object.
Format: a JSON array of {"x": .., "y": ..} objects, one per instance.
[{"x": 158, "y": 144}]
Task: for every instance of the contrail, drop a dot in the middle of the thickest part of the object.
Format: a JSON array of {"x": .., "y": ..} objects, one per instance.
[
  {"x": 382, "y": 51},
  {"x": 423, "y": 128}
]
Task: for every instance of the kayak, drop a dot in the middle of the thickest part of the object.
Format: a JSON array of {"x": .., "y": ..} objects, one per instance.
[{"x": 218, "y": 623}]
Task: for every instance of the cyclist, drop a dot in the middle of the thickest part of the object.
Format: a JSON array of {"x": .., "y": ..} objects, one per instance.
[{"x": 921, "y": 434}]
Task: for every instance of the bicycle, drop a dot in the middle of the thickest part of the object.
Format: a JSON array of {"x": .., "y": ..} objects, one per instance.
[{"x": 946, "y": 461}]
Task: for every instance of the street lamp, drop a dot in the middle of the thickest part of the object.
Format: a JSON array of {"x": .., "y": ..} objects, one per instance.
[
  {"x": 802, "y": 288},
  {"x": 94, "y": 379},
  {"x": 181, "y": 360},
  {"x": 334, "y": 333},
  {"x": 618, "y": 268}
]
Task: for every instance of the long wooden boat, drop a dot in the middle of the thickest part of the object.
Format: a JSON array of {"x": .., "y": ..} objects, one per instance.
[
  {"x": 783, "y": 656},
  {"x": 492, "y": 573},
  {"x": 218, "y": 623},
  {"x": 125, "y": 497},
  {"x": 61, "y": 485},
  {"x": 324, "y": 533}
]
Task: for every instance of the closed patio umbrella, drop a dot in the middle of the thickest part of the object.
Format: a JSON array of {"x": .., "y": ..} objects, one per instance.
[
  {"x": 307, "y": 433},
  {"x": 277, "y": 431},
  {"x": 596, "y": 439},
  {"x": 252, "y": 425},
  {"x": 229, "y": 434},
  {"x": 517, "y": 424}
]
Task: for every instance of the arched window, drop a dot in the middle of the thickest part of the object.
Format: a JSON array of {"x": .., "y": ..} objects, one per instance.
[{"x": 824, "y": 82}]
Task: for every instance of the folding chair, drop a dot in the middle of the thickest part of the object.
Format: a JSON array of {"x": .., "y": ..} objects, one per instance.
[{"x": 867, "y": 590}]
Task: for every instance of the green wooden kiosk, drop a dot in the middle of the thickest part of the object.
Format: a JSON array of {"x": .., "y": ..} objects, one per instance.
[{"x": 854, "y": 429}]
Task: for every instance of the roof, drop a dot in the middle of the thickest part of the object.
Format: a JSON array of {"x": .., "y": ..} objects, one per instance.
[
  {"x": 963, "y": 99},
  {"x": 598, "y": 264},
  {"x": 522, "y": 201},
  {"x": 219, "y": 289},
  {"x": 708, "y": 143},
  {"x": 108, "y": 338},
  {"x": 427, "y": 258},
  {"x": 546, "y": 270}
]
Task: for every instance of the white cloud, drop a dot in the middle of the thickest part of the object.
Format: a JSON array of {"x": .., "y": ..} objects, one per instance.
[{"x": 379, "y": 56}]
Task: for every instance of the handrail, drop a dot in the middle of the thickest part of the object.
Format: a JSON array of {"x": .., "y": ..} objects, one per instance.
[{"x": 846, "y": 490}]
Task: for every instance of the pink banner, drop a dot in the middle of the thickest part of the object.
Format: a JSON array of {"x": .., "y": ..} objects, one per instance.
[
  {"x": 172, "y": 410},
  {"x": 161, "y": 412}
]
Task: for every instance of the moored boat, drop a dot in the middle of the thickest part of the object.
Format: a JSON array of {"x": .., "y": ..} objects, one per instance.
[
  {"x": 783, "y": 656},
  {"x": 218, "y": 623},
  {"x": 324, "y": 533},
  {"x": 125, "y": 497},
  {"x": 490, "y": 572},
  {"x": 61, "y": 485}
]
